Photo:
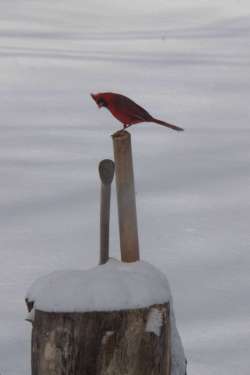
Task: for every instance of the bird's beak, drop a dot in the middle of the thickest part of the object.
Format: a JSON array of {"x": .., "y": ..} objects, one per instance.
[{"x": 93, "y": 97}]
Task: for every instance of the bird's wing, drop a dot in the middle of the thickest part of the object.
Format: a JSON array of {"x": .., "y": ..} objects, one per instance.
[
  {"x": 132, "y": 109},
  {"x": 138, "y": 117}
]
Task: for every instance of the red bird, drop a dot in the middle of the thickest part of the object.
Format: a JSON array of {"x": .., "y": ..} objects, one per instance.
[{"x": 127, "y": 111}]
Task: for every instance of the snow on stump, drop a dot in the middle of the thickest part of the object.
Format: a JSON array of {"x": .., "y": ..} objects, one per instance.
[{"x": 113, "y": 319}]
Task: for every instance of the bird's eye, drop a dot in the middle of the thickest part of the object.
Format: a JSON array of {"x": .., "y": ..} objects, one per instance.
[{"x": 101, "y": 103}]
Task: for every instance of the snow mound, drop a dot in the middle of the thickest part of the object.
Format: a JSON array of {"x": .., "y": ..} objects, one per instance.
[{"x": 109, "y": 287}]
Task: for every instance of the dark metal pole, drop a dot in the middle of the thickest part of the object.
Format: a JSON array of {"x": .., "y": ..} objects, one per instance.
[
  {"x": 129, "y": 242},
  {"x": 106, "y": 171}
]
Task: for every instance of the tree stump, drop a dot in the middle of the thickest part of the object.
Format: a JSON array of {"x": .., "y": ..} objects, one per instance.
[{"x": 127, "y": 342}]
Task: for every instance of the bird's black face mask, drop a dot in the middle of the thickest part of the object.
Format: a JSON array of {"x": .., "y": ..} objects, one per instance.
[{"x": 101, "y": 103}]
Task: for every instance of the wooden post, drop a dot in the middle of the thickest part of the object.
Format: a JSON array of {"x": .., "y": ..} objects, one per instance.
[
  {"x": 106, "y": 171},
  {"x": 129, "y": 242},
  {"x": 102, "y": 343}
]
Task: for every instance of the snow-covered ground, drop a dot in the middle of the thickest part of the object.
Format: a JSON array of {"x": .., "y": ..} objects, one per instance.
[{"x": 188, "y": 62}]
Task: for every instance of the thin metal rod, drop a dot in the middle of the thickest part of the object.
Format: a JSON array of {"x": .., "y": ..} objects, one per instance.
[
  {"x": 106, "y": 172},
  {"x": 129, "y": 242}
]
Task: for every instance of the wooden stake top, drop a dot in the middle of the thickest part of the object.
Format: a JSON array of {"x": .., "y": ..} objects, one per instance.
[
  {"x": 121, "y": 134},
  {"x": 106, "y": 171}
]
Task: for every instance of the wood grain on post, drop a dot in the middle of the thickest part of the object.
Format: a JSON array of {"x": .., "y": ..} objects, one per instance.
[
  {"x": 106, "y": 171},
  {"x": 102, "y": 343},
  {"x": 129, "y": 242}
]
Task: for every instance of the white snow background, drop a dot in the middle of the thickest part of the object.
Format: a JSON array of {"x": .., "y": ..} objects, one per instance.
[{"x": 186, "y": 62}]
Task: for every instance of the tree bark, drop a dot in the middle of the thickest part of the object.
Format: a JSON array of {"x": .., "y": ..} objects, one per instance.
[{"x": 102, "y": 343}]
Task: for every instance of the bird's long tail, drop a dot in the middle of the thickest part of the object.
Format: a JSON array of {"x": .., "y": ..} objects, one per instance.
[{"x": 174, "y": 127}]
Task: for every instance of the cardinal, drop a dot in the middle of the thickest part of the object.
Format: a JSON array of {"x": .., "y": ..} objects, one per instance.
[{"x": 126, "y": 111}]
